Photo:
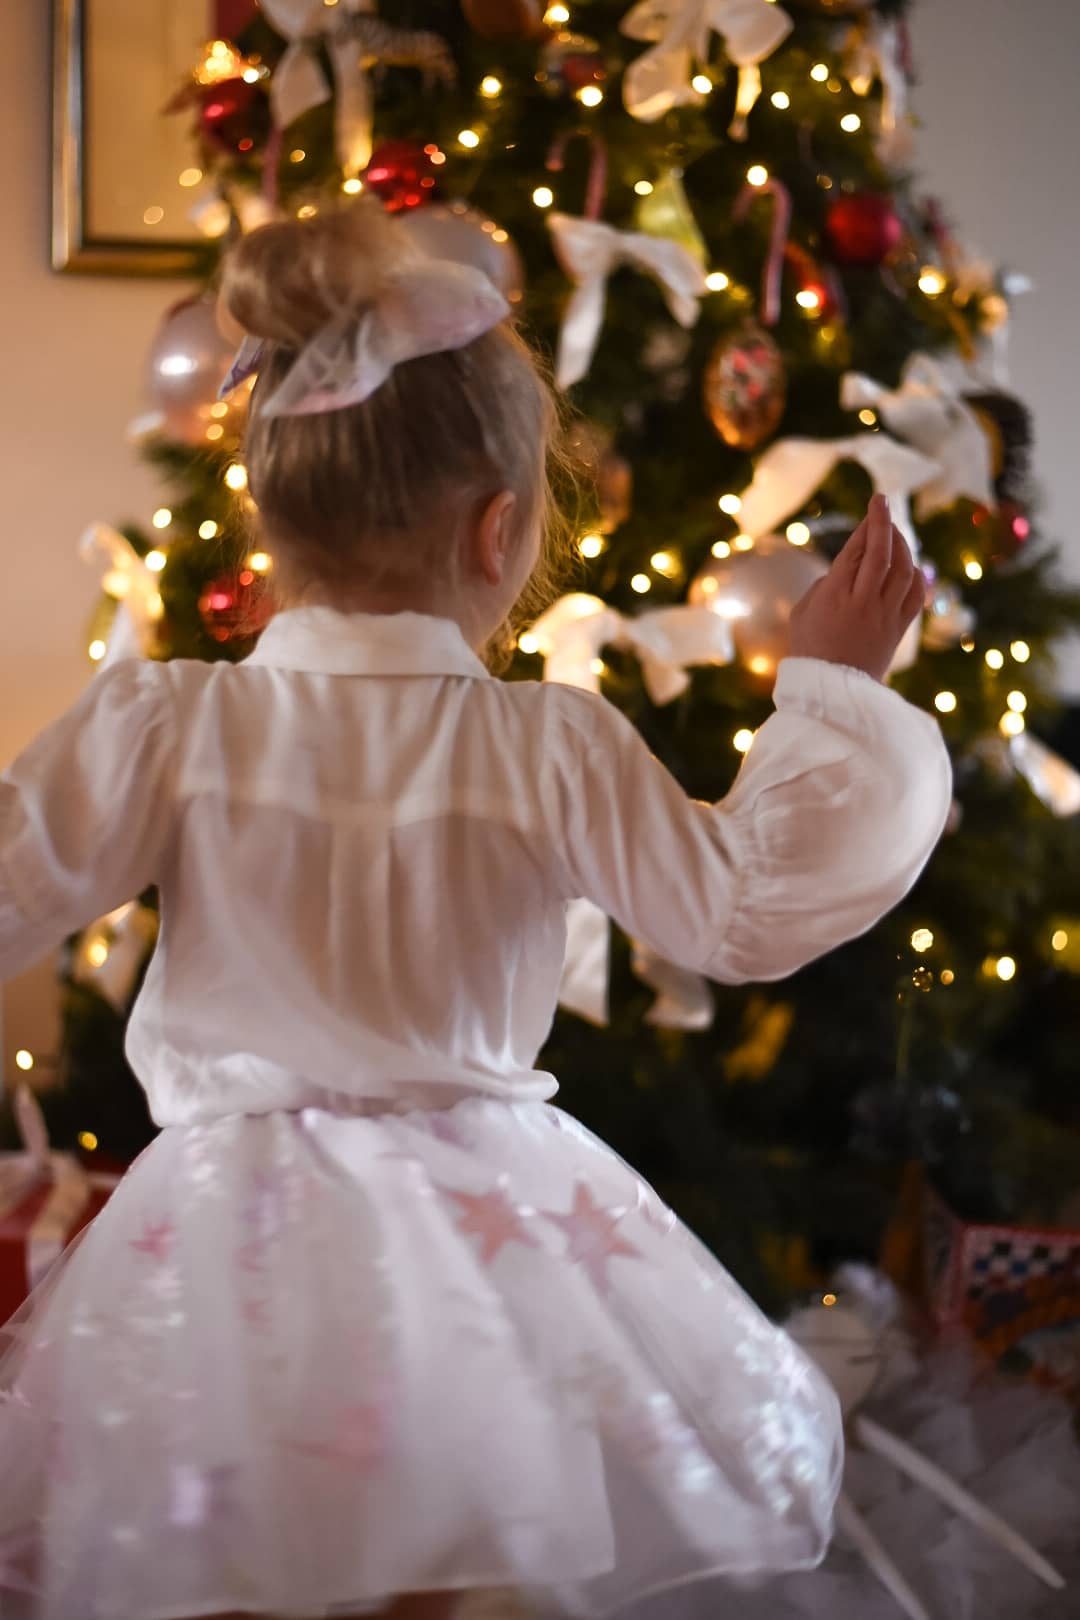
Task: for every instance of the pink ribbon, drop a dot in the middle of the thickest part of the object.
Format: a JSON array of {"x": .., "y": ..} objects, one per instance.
[{"x": 774, "y": 263}]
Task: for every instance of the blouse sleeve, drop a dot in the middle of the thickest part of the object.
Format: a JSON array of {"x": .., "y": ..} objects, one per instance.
[
  {"x": 84, "y": 812},
  {"x": 838, "y": 805}
]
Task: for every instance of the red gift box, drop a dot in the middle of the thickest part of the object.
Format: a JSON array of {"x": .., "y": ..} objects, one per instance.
[{"x": 45, "y": 1199}]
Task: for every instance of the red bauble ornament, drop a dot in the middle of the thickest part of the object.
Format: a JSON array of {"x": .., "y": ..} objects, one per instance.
[
  {"x": 809, "y": 277},
  {"x": 236, "y": 606},
  {"x": 745, "y": 387},
  {"x": 568, "y": 62},
  {"x": 862, "y": 229},
  {"x": 234, "y": 115},
  {"x": 402, "y": 175},
  {"x": 505, "y": 19}
]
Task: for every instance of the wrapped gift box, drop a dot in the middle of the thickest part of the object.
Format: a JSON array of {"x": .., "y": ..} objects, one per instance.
[{"x": 46, "y": 1198}]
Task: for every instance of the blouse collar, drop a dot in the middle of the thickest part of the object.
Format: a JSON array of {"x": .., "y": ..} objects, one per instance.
[{"x": 322, "y": 641}]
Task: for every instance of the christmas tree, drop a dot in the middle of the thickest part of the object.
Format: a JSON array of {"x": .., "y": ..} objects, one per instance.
[{"x": 706, "y": 214}]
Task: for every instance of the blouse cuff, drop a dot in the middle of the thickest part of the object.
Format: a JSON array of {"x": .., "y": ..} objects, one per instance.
[{"x": 846, "y": 698}]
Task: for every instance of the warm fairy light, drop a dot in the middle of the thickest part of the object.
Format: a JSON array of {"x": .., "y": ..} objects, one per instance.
[
  {"x": 760, "y": 664},
  {"x": 742, "y": 740},
  {"x": 701, "y": 83},
  {"x": 214, "y": 432},
  {"x": 556, "y": 15},
  {"x": 597, "y": 666},
  {"x": 1005, "y": 968},
  {"x": 819, "y": 72},
  {"x": 850, "y": 123},
  {"x": 490, "y": 86},
  {"x": 720, "y": 549},
  {"x": 219, "y": 408},
  {"x": 757, "y": 174},
  {"x": 96, "y": 651},
  {"x": 97, "y": 952},
  {"x": 297, "y": 155},
  {"x": 24, "y": 1060},
  {"x": 931, "y": 282},
  {"x": 833, "y": 85},
  {"x": 190, "y": 177},
  {"x": 155, "y": 561},
  {"x": 731, "y": 504},
  {"x": 153, "y": 216},
  {"x": 945, "y": 702},
  {"x": 499, "y": 235},
  {"x": 664, "y": 563},
  {"x": 116, "y": 584},
  {"x": 260, "y": 562},
  {"x": 236, "y": 475},
  {"x": 717, "y": 281},
  {"x": 828, "y": 1300},
  {"x": 251, "y": 75},
  {"x": 867, "y": 417},
  {"x": 87, "y": 1141},
  {"x": 1011, "y": 724},
  {"x": 207, "y": 529},
  {"x": 528, "y": 642},
  {"x": 1020, "y": 651},
  {"x": 743, "y": 542},
  {"x": 973, "y": 568},
  {"x": 306, "y": 211},
  {"x": 994, "y": 657},
  {"x": 808, "y": 298},
  {"x": 590, "y": 95},
  {"x": 641, "y": 583},
  {"x": 798, "y": 534},
  {"x": 543, "y": 196},
  {"x": 643, "y": 188},
  {"x": 947, "y": 975},
  {"x": 161, "y": 518},
  {"x": 1058, "y": 939},
  {"x": 434, "y": 155},
  {"x": 709, "y": 585},
  {"x": 1017, "y": 701},
  {"x": 469, "y": 138},
  {"x": 922, "y": 939},
  {"x": 781, "y": 99},
  {"x": 352, "y": 185},
  {"x": 591, "y": 545}
]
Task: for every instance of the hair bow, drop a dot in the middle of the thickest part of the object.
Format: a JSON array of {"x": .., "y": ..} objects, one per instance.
[
  {"x": 679, "y": 29},
  {"x": 424, "y": 309}
]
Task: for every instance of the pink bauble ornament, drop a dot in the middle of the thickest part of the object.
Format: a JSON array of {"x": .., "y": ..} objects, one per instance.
[
  {"x": 757, "y": 589},
  {"x": 459, "y": 233},
  {"x": 187, "y": 363}
]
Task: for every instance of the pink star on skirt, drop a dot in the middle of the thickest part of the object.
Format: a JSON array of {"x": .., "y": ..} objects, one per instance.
[
  {"x": 592, "y": 1240},
  {"x": 156, "y": 1239},
  {"x": 491, "y": 1217}
]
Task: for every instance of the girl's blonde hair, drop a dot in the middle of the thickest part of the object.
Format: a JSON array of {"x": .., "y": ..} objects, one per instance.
[{"x": 374, "y": 493}]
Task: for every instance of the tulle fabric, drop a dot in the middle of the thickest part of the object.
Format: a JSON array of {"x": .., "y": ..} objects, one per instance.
[{"x": 303, "y": 1363}]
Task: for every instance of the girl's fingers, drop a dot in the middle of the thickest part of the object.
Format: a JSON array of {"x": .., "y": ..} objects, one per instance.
[
  {"x": 877, "y": 555},
  {"x": 901, "y": 569},
  {"x": 846, "y": 566},
  {"x": 914, "y": 598}
]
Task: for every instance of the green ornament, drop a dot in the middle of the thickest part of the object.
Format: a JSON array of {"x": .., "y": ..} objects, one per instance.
[{"x": 666, "y": 212}]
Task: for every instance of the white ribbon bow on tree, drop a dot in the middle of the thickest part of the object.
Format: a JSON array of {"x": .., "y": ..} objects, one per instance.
[
  {"x": 588, "y": 251},
  {"x": 679, "y": 31},
  {"x": 876, "y": 54},
  {"x": 929, "y": 414},
  {"x": 133, "y": 587},
  {"x": 1052, "y": 779},
  {"x": 570, "y": 637}
]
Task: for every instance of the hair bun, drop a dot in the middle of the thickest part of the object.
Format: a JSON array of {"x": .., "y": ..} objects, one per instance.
[{"x": 286, "y": 280}]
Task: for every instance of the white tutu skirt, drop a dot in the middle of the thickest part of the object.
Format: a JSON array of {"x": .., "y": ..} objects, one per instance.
[{"x": 303, "y": 1363}]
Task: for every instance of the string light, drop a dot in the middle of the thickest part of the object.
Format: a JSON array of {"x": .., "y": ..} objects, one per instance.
[
  {"x": 867, "y": 417},
  {"x": 297, "y": 155},
  {"x": 1020, "y": 651},
  {"x": 664, "y": 563},
  {"x": 834, "y": 86},
  {"x": 947, "y": 975},
  {"x": 760, "y": 664},
  {"x": 922, "y": 939},
  {"x": 190, "y": 177},
  {"x": 251, "y": 75},
  {"x": 1005, "y": 968},
  {"x": 744, "y": 542},
  {"x": 469, "y": 138},
  {"x": 807, "y": 298},
  {"x": 931, "y": 282},
  {"x": 96, "y": 651},
  {"x": 720, "y": 548},
  {"x": 260, "y": 562},
  {"x": 219, "y": 408},
  {"x": 994, "y": 657},
  {"x": 214, "y": 432},
  {"x": 1058, "y": 939},
  {"x": 97, "y": 952},
  {"x": 236, "y": 475},
  {"x": 742, "y": 740},
  {"x": 556, "y": 15},
  {"x": 828, "y": 1300},
  {"x": 88, "y": 1141},
  {"x": 591, "y": 545},
  {"x": 701, "y": 83},
  {"x": 973, "y": 568},
  {"x": 1011, "y": 724},
  {"x": 709, "y": 585},
  {"x": 153, "y": 216},
  {"x": 543, "y": 196},
  {"x": 490, "y": 86},
  {"x": 597, "y": 666},
  {"x": 641, "y": 583},
  {"x": 528, "y": 642},
  {"x": 1017, "y": 701},
  {"x": 731, "y": 504},
  {"x": 945, "y": 702},
  {"x": 757, "y": 174},
  {"x": 207, "y": 529},
  {"x": 306, "y": 211},
  {"x": 155, "y": 561},
  {"x": 352, "y": 185},
  {"x": 643, "y": 188},
  {"x": 590, "y": 95},
  {"x": 24, "y": 1060},
  {"x": 967, "y": 645},
  {"x": 798, "y": 534},
  {"x": 161, "y": 518},
  {"x": 717, "y": 281},
  {"x": 781, "y": 99},
  {"x": 850, "y": 123},
  {"x": 819, "y": 72}
]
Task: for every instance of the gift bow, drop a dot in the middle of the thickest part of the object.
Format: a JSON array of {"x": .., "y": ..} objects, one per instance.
[
  {"x": 929, "y": 414},
  {"x": 678, "y": 31},
  {"x": 589, "y": 250},
  {"x": 570, "y": 636},
  {"x": 132, "y": 584}
]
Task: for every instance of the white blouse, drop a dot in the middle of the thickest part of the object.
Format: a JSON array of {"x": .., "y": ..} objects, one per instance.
[{"x": 365, "y": 847}]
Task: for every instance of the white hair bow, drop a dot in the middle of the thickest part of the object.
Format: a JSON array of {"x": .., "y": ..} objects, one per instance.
[
  {"x": 425, "y": 308},
  {"x": 661, "y": 77},
  {"x": 589, "y": 250}
]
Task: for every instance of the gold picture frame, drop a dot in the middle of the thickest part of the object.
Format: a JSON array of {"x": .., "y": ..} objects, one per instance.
[{"x": 97, "y": 70}]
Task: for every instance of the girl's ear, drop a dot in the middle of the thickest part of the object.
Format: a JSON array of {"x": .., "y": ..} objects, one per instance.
[{"x": 494, "y": 537}]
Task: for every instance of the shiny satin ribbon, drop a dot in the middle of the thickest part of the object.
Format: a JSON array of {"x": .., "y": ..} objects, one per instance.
[
  {"x": 930, "y": 415},
  {"x": 588, "y": 251},
  {"x": 133, "y": 586},
  {"x": 876, "y": 54},
  {"x": 1051, "y": 778},
  {"x": 678, "y": 32}
]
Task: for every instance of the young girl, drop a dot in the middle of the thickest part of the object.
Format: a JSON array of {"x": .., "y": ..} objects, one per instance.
[{"x": 372, "y": 1323}]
